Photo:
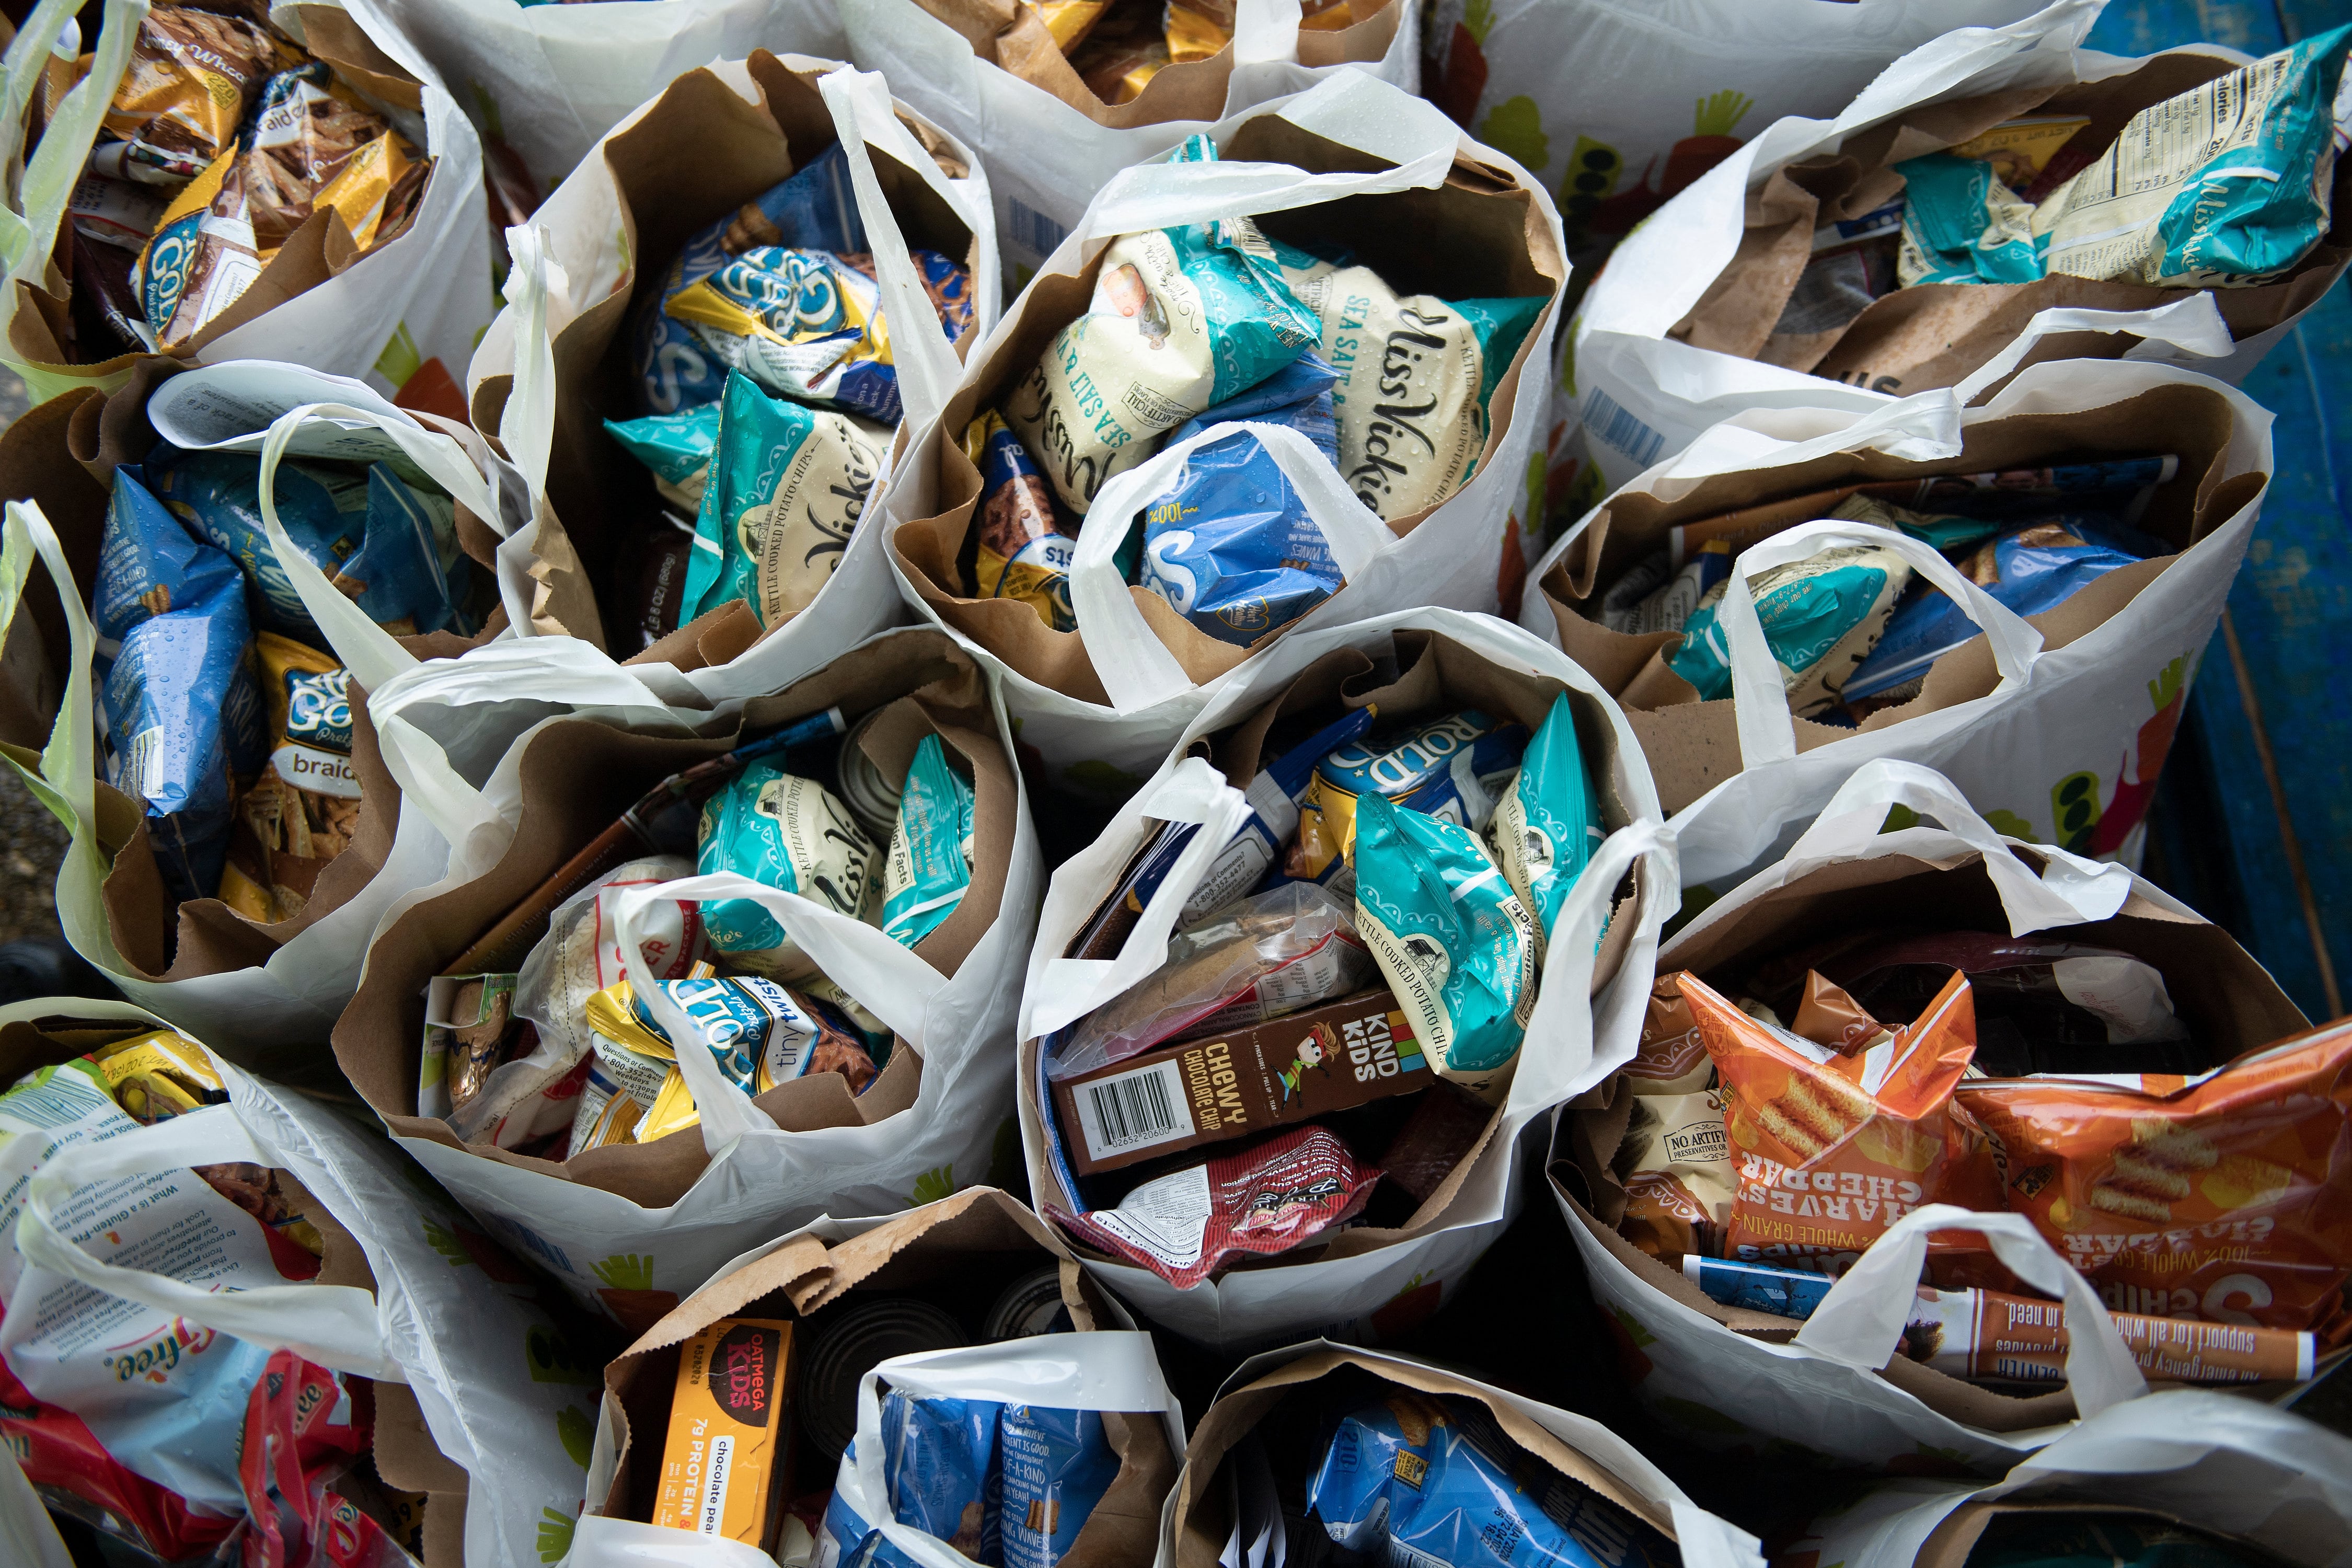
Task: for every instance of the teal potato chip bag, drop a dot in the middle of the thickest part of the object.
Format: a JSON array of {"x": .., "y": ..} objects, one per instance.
[
  {"x": 786, "y": 487},
  {"x": 1180, "y": 320},
  {"x": 1548, "y": 824},
  {"x": 1961, "y": 224},
  {"x": 676, "y": 447},
  {"x": 783, "y": 831},
  {"x": 1822, "y": 616},
  {"x": 930, "y": 864},
  {"x": 1452, "y": 939}
]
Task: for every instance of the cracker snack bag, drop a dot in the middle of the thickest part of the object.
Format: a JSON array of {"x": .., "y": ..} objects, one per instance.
[
  {"x": 1832, "y": 1149},
  {"x": 2223, "y": 1197}
]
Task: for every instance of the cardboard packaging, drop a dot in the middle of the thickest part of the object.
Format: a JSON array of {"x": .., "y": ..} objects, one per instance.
[
  {"x": 1232, "y": 1085},
  {"x": 722, "y": 1464}
]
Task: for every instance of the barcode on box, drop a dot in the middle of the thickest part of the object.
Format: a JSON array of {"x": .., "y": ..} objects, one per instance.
[
  {"x": 1133, "y": 1110},
  {"x": 1034, "y": 229},
  {"x": 1621, "y": 428}
]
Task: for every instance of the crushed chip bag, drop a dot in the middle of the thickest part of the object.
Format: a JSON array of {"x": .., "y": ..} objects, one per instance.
[
  {"x": 2219, "y": 1197},
  {"x": 1822, "y": 616},
  {"x": 300, "y": 814},
  {"x": 1832, "y": 1148},
  {"x": 802, "y": 323},
  {"x": 1023, "y": 537},
  {"x": 787, "y": 486},
  {"x": 930, "y": 864},
  {"x": 1453, "y": 941},
  {"x": 1548, "y": 824},
  {"x": 159, "y": 1075},
  {"x": 1679, "y": 1193},
  {"x": 676, "y": 447},
  {"x": 1455, "y": 767},
  {"x": 1961, "y": 223},
  {"x": 1180, "y": 319},
  {"x": 782, "y": 831}
]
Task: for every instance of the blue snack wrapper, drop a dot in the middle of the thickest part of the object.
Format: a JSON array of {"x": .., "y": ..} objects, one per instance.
[
  {"x": 814, "y": 210},
  {"x": 929, "y": 863},
  {"x": 390, "y": 545},
  {"x": 1057, "y": 1466},
  {"x": 1548, "y": 824},
  {"x": 781, "y": 831},
  {"x": 1231, "y": 546},
  {"x": 802, "y": 323},
  {"x": 1297, "y": 395},
  {"x": 1452, "y": 939},
  {"x": 1418, "y": 1480},
  {"x": 184, "y": 716},
  {"x": 937, "y": 1454}
]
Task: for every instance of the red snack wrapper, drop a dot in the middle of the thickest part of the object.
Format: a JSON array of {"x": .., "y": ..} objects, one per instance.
[
  {"x": 303, "y": 1429},
  {"x": 1265, "y": 1199},
  {"x": 1833, "y": 1149},
  {"x": 75, "y": 1476},
  {"x": 2225, "y": 1197}
]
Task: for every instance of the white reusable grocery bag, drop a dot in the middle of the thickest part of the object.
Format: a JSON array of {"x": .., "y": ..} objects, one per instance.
[
  {"x": 1702, "y": 1540},
  {"x": 1450, "y": 558},
  {"x": 2093, "y": 718},
  {"x": 2209, "y": 1459},
  {"x": 1642, "y": 397},
  {"x": 1579, "y": 1033},
  {"x": 423, "y": 296},
  {"x": 1047, "y": 159},
  {"x": 575, "y": 254},
  {"x": 501, "y": 1394},
  {"x": 550, "y": 80}
]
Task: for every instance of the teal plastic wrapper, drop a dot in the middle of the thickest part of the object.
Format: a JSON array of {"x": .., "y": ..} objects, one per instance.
[
  {"x": 782, "y": 831},
  {"x": 1452, "y": 939},
  {"x": 929, "y": 863},
  {"x": 1548, "y": 824},
  {"x": 1961, "y": 224},
  {"x": 676, "y": 447},
  {"x": 787, "y": 486},
  {"x": 1822, "y": 616}
]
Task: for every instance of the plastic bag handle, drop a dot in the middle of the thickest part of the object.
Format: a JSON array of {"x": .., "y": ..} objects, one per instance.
[
  {"x": 1768, "y": 731},
  {"x": 527, "y": 423},
  {"x": 2071, "y": 889},
  {"x": 2192, "y": 326},
  {"x": 337, "y": 1326},
  {"x": 1346, "y": 107},
  {"x": 27, "y": 238},
  {"x": 1541, "y": 1082},
  {"x": 67, "y": 781},
  {"x": 1136, "y": 668},
  {"x": 1069, "y": 989},
  {"x": 894, "y": 985},
  {"x": 1861, "y": 1320}
]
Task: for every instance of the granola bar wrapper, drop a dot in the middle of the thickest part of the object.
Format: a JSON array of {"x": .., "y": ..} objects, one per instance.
[
  {"x": 299, "y": 813},
  {"x": 191, "y": 75},
  {"x": 1832, "y": 1149},
  {"x": 2225, "y": 1197}
]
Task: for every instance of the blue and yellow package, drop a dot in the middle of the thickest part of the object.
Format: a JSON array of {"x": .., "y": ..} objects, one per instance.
[
  {"x": 184, "y": 720},
  {"x": 1452, "y": 939},
  {"x": 1962, "y": 225},
  {"x": 1420, "y": 1480},
  {"x": 802, "y": 323},
  {"x": 1231, "y": 546},
  {"x": 1452, "y": 767},
  {"x": 786, "y": 487},
  {"x": 1548, "y": 824},
  {"x": 388, "y": 544},
  {"x": 1057, "y": 1466},
  {"x": 930, "y": 864},
  {"x": 2030, "y": 571},
  {"x": 782, "y": 831},
  {"x": 1180, "y": 320},
  {"x": 1822, "y": 616},
  {"x": 814, "y": 210},
  {"x": 937, "y": 1454},
  {"x": 676, "y": 447},
  {"x": 1023, "y": 537}
]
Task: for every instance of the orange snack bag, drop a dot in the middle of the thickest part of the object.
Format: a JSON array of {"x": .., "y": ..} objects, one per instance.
[
  {"x": 1833, "y": 1149},
  {"x": 2227, "y": 1197}
]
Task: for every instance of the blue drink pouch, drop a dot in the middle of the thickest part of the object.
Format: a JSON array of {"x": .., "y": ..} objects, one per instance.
[
  {"x": 676, "y": 447},
  {"x": 1548, "y": 824},
  {"x": 782, "y": 831},
  {"x": 1057, "y": 1467},
  {"x": 787, "y": 486},
  {"x": 1452, "y": 939},
  {"x": 1418, "y": 1480},
  {"x": 184, "y": 718},
  {"x": 929, "y": 863},
  {"x": 815, "y": 210}
]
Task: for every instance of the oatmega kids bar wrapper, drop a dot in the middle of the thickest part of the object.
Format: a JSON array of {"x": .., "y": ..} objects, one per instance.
[
  {"x": 1832, "y": 1149},
  {"x": 2221, "y": 1197},
  {"x": 723, "y": 1458}
]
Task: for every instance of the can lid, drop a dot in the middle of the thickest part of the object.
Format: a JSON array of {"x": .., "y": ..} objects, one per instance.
[
  {"x": 843, "y": 1350},
  {"x": 1031, "y": 1305}
]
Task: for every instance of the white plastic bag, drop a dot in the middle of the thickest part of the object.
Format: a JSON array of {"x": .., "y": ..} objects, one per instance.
[
  {"x": 550, "y": 80},
  {"x": 424, "y": 296},
  {"x": 578, "y": 251},
  {"x": 1581, "y": 1031},
  {"x": 1048, "y": 159},
  {"x": 1456, "y": 557},
  {"x": 500, "y": 1395},
  {"x": 2207, "y": 1460},
  {"x": 1642, "y": 397},
  {"x": 2064, "y": 748}
]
